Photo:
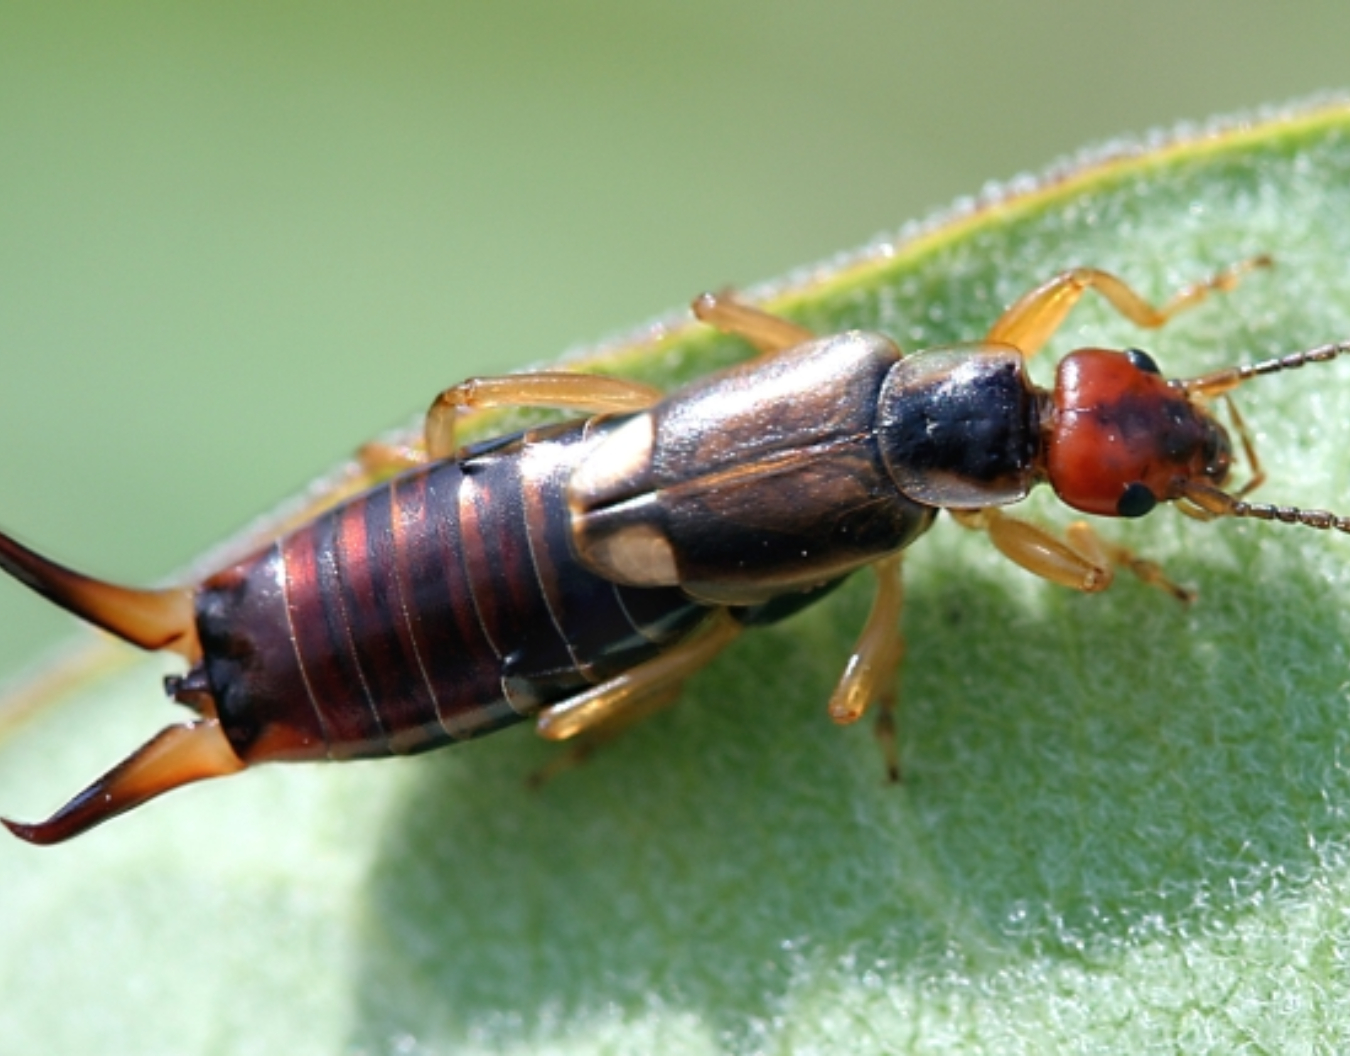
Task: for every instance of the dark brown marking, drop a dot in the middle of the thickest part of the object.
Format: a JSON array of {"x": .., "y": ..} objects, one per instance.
[
  {"x": 404, "y": 708},
  {"x": 465, "y": 668},
  {"x": 583, "y": 607},
  {"x": 537, "y": 666}
]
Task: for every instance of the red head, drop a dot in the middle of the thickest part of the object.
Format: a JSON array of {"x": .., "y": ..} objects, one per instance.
[{"x": 1122, "y": 438}]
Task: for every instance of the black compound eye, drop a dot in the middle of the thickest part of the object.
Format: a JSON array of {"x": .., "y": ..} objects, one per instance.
[
  {"x": 1141, "y": 360},
  {"x": 1135, "y": 501}
]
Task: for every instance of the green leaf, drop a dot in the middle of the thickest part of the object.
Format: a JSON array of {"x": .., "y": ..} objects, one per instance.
[{"x": 1123, "y": 823}]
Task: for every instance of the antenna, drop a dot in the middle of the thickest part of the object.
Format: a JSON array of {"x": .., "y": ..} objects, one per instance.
[
  {"x": 1220, "y": 381},
  {"x": 1204, "y": 501}
]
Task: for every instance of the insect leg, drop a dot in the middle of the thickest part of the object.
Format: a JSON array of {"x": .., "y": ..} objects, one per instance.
[
  {"x": 878, "y": 647},
  {"x": 769, "y": 333},
  {"x": 602, "y": 703},
  {"x": 1034, "y": 317},
  {"x": 1257, "y": 474},
  {"x": 379, "y": 460},
  {"x": 1082, "y": 560},
  {"x": 557, "y": 389},
  {"x": 591, "y": 740},
  {"x": 871, "y": 670},
  {"x": 1038, "y": 550},
  {"x": 1084, "y": 538}
]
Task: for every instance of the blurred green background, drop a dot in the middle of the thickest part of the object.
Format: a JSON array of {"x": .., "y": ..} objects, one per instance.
[{"x": 238, "y": 239}]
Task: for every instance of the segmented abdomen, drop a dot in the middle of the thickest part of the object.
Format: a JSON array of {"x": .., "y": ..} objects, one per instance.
[{"x": 442, "y": 605}]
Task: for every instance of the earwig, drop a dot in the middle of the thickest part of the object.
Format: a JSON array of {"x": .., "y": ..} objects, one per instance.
[{"x": 580, "y": 573}]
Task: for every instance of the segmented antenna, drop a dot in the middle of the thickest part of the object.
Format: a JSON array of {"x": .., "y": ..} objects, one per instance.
[
  {"x": 1209, "y": 501},
  {"x": 1323, "y": 520},
  {"x": 1221, "y": 381}
]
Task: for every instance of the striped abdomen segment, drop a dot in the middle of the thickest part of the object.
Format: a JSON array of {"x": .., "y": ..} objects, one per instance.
[{"x": 442, "y": 605}]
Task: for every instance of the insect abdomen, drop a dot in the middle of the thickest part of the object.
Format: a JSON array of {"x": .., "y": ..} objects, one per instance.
[{"x": 442, "y": 605}]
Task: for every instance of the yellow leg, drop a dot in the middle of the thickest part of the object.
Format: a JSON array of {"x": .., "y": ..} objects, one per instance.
[
  {"x": 591, "y": 740},
  {"x": 555, "y": 389},
  {"x": 1035, "y": 317},
  {"x": 878, "y": 649},
  {"x": 885, "y": 728},
  {"x": 872, "y": 669},
  {"x": 1083, "y": 537},
  {"x": 769, "y": 333},
  {"x": 379, "y": 460},
  {"x": 1038, "y": 551},
  {"x": 1081, "y": 561},
  {"x": 610, "y": 700}
]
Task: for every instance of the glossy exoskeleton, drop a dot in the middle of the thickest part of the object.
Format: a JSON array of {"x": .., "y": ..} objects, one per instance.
[{"x": 580, "y": 573}]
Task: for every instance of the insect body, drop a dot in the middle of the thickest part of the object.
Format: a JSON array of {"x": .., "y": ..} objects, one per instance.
[{"x": 581, "y": 572}]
